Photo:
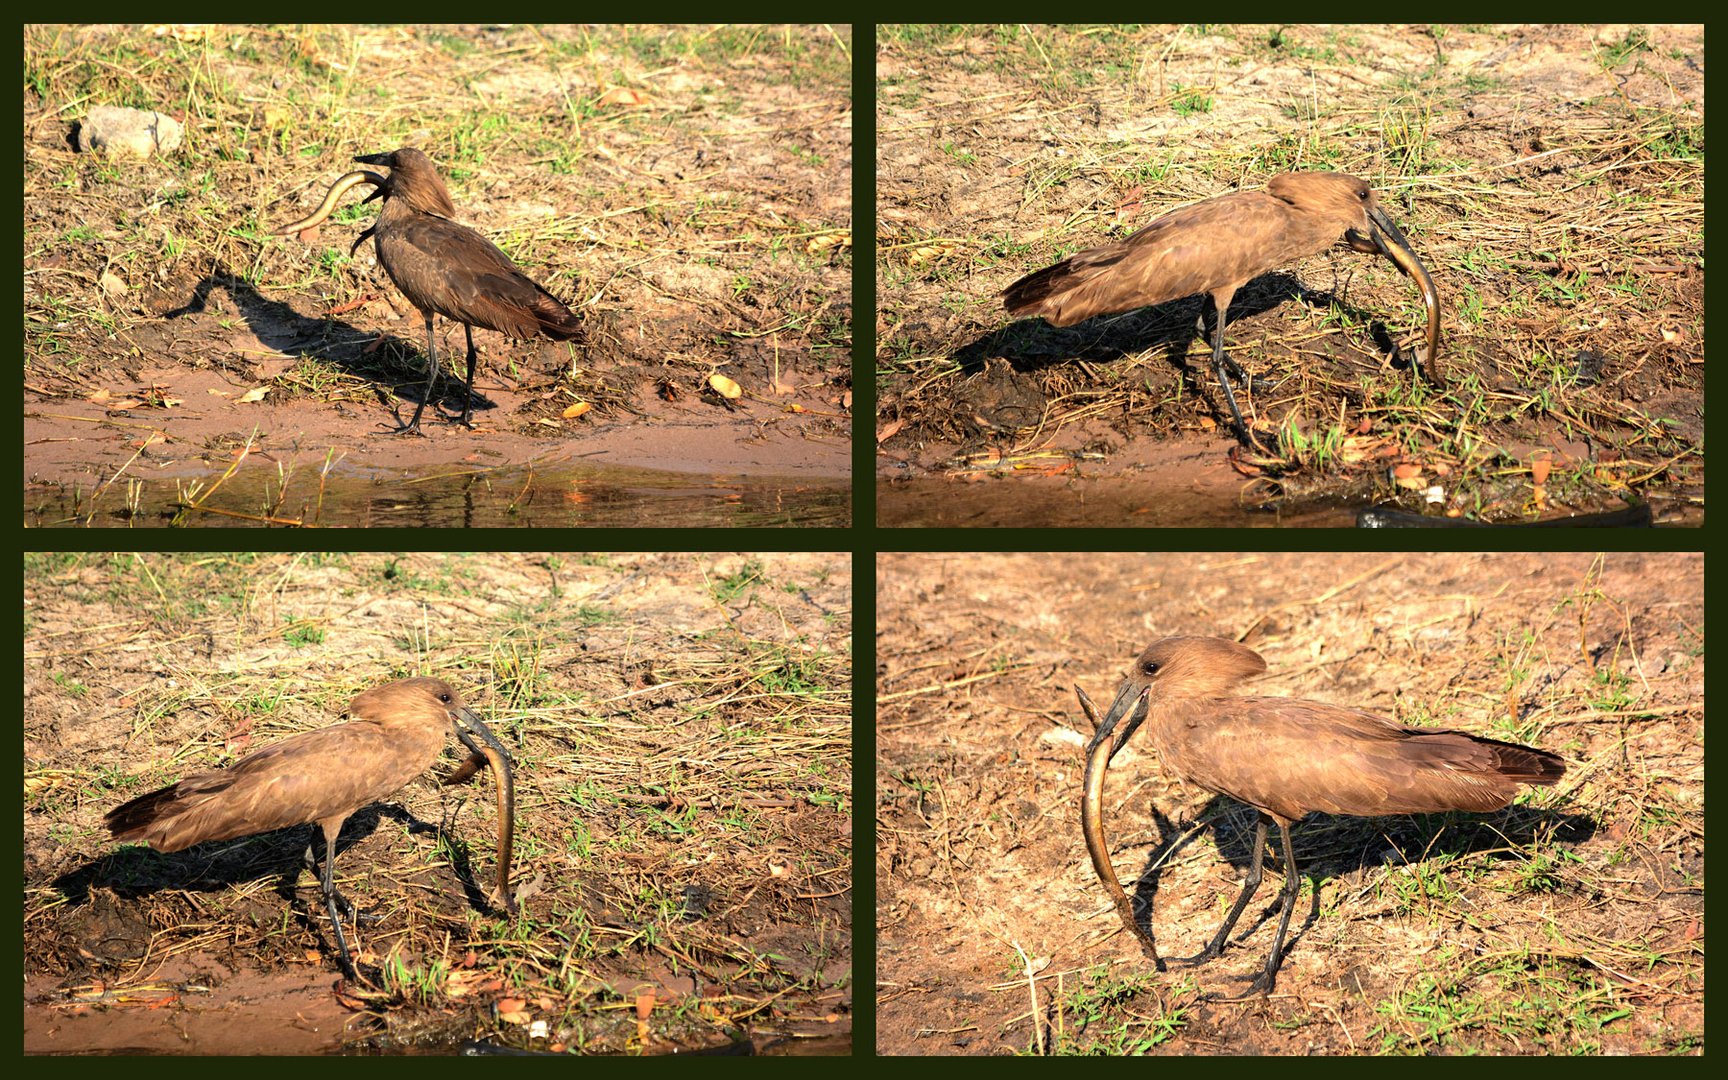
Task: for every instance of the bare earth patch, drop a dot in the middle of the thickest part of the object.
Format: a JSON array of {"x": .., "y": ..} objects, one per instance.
[
  {"x": 687, "y": 190},
  {"x": 1549, "y": 177},
  {"x": 681, "y": 726},
  {"x": 1571, "y": 923}
]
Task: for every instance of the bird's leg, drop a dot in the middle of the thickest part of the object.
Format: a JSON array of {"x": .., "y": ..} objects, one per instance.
[
  {"x": 1249, "y": 884},
  {"x": 468, "y": 402},
  {"x": 1256, "y": 383},
  {"x": 1219, "y": 364},
  {"x": 412, "y": 427},
  {"x": 1262, "y": 983},
  {"x": 311, "y": 861},
  {"x": 333, "y": 899}
]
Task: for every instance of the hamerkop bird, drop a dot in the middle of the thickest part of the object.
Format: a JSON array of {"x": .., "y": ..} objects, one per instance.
[
  {"x": 444, "y": 267},
  {"x": 323, "y": 776},
  {"x": 1216, "y": 247},
  {"x": 1287, "y": 759}
]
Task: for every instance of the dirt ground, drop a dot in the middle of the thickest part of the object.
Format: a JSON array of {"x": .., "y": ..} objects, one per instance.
[
  {"x": 1549, "y": 177},
  {"x": 681, "y": 726},
  {"x": 686, "y": 190},
  {"x": 1570, "y": 923}
]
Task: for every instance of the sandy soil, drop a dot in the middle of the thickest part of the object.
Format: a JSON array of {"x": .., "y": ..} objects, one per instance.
[
  {"x": 681, "y": 728},
  {"x": 1541, "y": 173},
  {"x": 689, "y": 199},
  {"x": 1570, "y": 923}
]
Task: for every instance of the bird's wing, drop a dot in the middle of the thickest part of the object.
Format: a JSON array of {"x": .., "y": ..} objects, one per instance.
[
  {"x": 309, "y": 777},
  {"x": 1295, "y": 757},
  {"x": 475, "y": 282}
]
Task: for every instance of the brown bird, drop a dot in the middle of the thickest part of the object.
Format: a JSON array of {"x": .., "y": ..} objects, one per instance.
[
  {"x": 1287, "y": 759},
  {"x": 322, "y": 777},
  {"x": 444, "y": 267},
  {"x": 1216, "y": 247}
]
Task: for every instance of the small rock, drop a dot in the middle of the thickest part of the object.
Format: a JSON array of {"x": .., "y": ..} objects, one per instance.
[{"x": 116, "y": 130}]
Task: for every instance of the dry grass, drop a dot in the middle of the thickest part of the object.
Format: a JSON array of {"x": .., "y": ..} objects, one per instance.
[
  {"x": 684, "y": 187},
  {"x": 682, "y": 730},
  {"x": 1551, "y": 180},
  {"x": 1571, "y": 923}
]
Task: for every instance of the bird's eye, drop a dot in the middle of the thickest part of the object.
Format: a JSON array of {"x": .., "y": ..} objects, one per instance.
[
  {"x": 1362, "y": 193},
  {"x": 1150, "y": 667},
  {"x": 445, "y": 698}
]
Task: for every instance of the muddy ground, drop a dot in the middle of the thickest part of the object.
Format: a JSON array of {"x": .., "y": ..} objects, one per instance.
[
  {"x": 686, "y": 190},
  {"x": 681, "y": 726},
  {"x": 1571, "y": 923},
  {"x": 1549, "y": 177}
]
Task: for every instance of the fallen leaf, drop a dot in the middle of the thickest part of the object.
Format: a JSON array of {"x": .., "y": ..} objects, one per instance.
[
  {"x": 623, "y": 95},
  {"x": 255, "y": 394},
  {"x": 928, "y": 253},
  {"x": 725, "y": 387},
  {"x": 826, "y": 241},
  {"x": 577, "y": 410}
]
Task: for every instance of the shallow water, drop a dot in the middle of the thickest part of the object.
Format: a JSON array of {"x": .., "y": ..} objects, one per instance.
[{"x": 568, "y": 496}]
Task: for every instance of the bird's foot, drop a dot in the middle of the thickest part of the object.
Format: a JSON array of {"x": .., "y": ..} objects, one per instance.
[
  {"x": 1204, "y": 956},
  {"x": 1250, "y": 441},
  {"x": 1258, "y": 986},
  {"x": 353, "y": 914}
]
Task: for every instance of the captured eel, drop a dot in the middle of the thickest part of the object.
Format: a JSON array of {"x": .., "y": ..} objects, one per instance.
[
  {"x": 492, "y": 752},
  {"x": 1092, "y": 823}
]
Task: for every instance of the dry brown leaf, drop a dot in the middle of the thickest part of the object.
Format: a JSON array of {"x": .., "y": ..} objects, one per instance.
[
  {"x": 928, "y": 253},
  {"x": 1539, "y": 469},
  {"x": 622, "y": 96},
  {"x": 827, "y": 241}
]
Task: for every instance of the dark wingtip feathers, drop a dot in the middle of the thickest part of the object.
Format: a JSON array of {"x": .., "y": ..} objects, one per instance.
[{"x": 1027, "y": 295}]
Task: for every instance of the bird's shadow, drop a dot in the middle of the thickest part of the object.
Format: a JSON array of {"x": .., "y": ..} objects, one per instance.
[
  {"x": 137, "y": 872},
  {"x": 1353, "y": 846},
  {"x": 395, "y": 364},
  {"x": 1031, "y": 345}
]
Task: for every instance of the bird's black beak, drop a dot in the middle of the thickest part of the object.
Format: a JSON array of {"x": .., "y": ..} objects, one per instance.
[
  {"x": 1384, "y": 238},
  {"x": 470, "y": 728},
  {"x": 374, "y": 159},
  {"x": 1131, "y": 698}
]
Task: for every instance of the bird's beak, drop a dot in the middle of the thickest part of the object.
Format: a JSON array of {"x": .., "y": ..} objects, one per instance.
[
  {"x": 470, "y": 728},
  {"x": 480, "y": 741},
  {"x": 1385, "y": 239},
  {"x": 1131, "y": 697},
  {"x": 373, "y": 159}
]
